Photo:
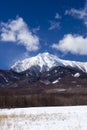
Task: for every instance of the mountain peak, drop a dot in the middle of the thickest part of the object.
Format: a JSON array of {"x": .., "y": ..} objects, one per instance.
[
  {"x": 43, "y": 62},
  {"x": 44, "y": 53}
]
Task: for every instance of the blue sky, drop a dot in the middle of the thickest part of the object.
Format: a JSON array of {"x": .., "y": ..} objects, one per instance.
[{"x": 35, "y": 26}]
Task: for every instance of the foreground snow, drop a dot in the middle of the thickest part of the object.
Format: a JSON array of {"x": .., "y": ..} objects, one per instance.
[{"x": 44, "y": 118}]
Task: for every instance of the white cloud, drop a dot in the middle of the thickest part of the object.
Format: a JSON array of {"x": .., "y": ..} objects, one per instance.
[
  {"x": 35, "y": 30},
  {"x": 78, "y": 13},
  {"x": 73, "y": 44},
  {"x": 17, "y": 31},
  {"x": 54, "y": 25},
  {"x": 57, "y": 16}
]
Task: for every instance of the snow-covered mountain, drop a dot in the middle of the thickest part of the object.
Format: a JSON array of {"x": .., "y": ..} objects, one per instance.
[
  {"x": 41, "y": 62},
  {"x": 44, "y": 62}
]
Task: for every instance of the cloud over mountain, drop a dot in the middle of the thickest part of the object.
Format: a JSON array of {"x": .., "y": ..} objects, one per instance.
[
  {"x": 73, "y": 44},
  {"x": 17, "y": 31}
]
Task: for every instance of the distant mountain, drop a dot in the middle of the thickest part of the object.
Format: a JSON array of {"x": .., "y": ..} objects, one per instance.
[
  {"x": 44, "y": 62},
  {"x": 44, "y": 70}
]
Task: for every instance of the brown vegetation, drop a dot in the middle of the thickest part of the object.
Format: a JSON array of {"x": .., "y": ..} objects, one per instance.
[{"x": 43, "y": 99}]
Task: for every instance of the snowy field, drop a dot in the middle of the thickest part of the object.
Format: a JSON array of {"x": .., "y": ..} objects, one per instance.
[{"x": 44, "y": 118}]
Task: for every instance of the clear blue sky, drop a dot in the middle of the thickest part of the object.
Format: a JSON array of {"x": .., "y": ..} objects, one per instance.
[{"x": 56, "y": 26}]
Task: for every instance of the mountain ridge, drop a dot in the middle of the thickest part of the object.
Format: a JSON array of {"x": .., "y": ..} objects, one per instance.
[
  {"x": 44, "y": 69},
  {"x": 45, "y": 61}
]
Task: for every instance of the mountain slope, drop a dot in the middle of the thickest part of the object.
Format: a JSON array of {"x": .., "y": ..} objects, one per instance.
[{"x": 44, "y": 62}]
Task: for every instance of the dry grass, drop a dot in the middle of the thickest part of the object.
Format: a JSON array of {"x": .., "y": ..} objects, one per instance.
[
  {"x": 49, "y": 97},
  {"x": 34, "y": 100}
]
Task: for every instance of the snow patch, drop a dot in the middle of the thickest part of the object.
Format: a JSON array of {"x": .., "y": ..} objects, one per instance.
[
  {"x": 55, "y": 71},
  {"x": 6, "y": 80},
  {"x": 46, "y": 82},
  {"x": 76, "y": 75},
  {"x": 56, "y": 81},
  {"x": 61, "y": 90}
]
